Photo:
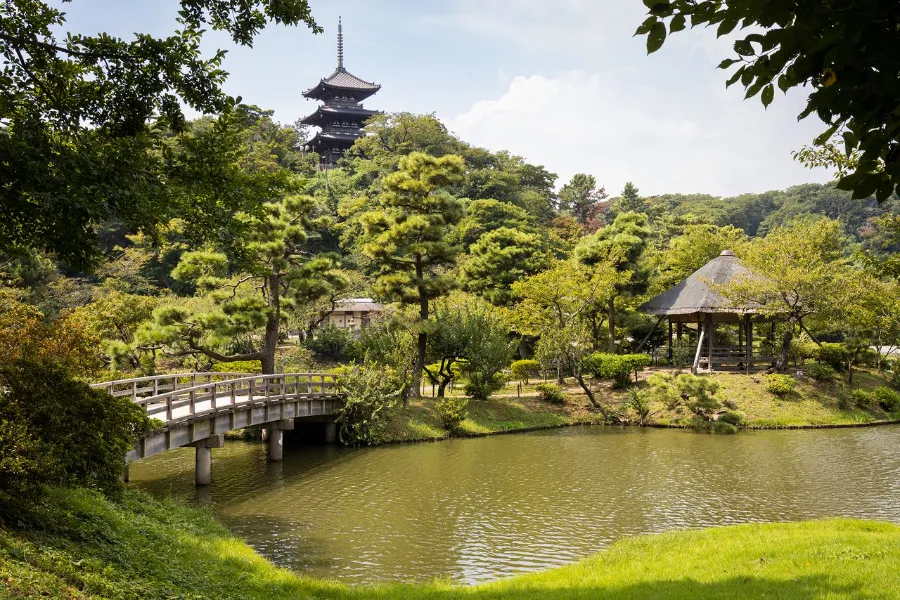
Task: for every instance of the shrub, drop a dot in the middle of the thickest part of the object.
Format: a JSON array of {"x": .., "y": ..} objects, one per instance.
[
  {"x": 887, "y": 398},
  {"x": 55, "y": 430},
  {"x": 819, "y": 371},
  {"x": 617, "y": 367},
  {"x": 683, "y": 351},
  {"x": 294, "y": 359},
  {"x": 832, "y": 355},
  {"x": 452, "y": 412},
  {"x": 780, "y": 385},
  {"x": 640, "y": 403},
  {"x": 698, "y": 394},
  {"x": 369, "y": 391},
  {"x": 716, "y": 427},
  {"x": 240, "y": 366},
  {"x": 895, "y": 374},
  {"x": 522, "y": 370},
  {"x": 732, "y": 417},
  {"x": 331, "y": 343},
  {"x": 481, "y": 386},
  {"x": 861, "y": 398},
  {"x": 550, "y": 392}
]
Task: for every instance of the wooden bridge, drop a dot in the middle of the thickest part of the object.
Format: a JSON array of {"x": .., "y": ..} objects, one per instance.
[{"x": 197, "y": 409}]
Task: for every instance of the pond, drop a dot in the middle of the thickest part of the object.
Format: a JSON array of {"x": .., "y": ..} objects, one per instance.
[{"x": 478, "y": 509}]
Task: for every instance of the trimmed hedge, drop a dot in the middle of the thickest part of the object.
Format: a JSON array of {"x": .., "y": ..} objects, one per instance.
[{"x": 617, "y": 367}]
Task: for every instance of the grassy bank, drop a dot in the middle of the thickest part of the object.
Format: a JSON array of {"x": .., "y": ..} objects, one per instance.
[
  {"x": 83, "y": 546},
  {"x": 812, "y": 403}
]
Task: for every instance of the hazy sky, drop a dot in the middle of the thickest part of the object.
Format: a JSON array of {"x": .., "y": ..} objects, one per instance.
[{"x": 561, "y": 82}]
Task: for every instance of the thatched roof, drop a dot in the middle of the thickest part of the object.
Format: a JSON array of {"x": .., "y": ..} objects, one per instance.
[{"x": 693, "y": 295}]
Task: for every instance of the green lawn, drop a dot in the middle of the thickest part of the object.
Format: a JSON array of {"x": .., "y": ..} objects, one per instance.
[
  {"x": 82, "y": 546},
  {"x": 813, "y": 403}
]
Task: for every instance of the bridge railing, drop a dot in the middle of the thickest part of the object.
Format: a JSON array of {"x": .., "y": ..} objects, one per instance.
[
  {"x": 174, "y": 402},
  {"x": 153, "y": 385}
]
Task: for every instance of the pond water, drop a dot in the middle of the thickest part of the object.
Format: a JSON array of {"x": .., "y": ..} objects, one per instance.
[{"x": 479, "y": 509}]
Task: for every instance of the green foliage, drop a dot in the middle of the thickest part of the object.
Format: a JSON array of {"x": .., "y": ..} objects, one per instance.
[
  {"x": 630, "y": 200},
  {"x": 452, "y": 412},
  {"x": 832, "y": 355},
  {"x": 485, "y": 216},
  {"x": 887, "y": 398},
  {"x": 58, "y": 431},
  {"x": 780, "y": 385},
  {"x": 698, "y": 394},
  {"x": 522, "y": 370},
  {"x": 582, "y": 199},
  {"x": 721, "y": 427},
  {"x": 333, "y": 343},
  {"x": 550, "y": 392},
  {"x": 641, "y": 404},
  {"x": 799, "y": 273},
  {"x": 618, "y": 367},
  {"x": 861, "y": 398},
  {"x": 793, "y": 45},
  {"x": 732, "y": 417},
  {"x": 115, "y": 318},
  {"x": 405, "y": 232},
  {"x": 89, "y": 123},
  {"x": 239, "y": 366},
  {"x": 369, "y": 392},
  {"x": 481, "y": 385},
  {"x": 499, "y": 259},
  {"x": 818, "y": 371},
  {"x": 246, "y": 293}
]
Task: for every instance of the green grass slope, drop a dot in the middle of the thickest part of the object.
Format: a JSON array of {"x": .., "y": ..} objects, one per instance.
[{"x": 82, "y": 546}]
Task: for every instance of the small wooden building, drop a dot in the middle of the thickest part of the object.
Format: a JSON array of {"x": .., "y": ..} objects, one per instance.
[{"x": 694, "y": 307}]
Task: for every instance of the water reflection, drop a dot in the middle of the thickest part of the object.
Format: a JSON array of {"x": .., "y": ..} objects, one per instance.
[{"x": 480, "y": 509}]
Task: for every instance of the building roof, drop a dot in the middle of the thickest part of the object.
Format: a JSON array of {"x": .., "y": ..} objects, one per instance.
[
  {"x": 358, "y": 305},
  {"x": 323, "y": 113},
  {"x": 694, "y": 295},
  {"x": 342, "y": 80},
  {"x": 330, "y": 139}
]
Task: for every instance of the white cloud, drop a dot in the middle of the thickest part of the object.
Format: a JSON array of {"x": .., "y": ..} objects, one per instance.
[{"x": 699, "y": 140}]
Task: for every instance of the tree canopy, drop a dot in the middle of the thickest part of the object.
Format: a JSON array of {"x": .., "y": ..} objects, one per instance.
[
  {"x": 840, "y": 50},
  {"x": 87, "y": 122}
]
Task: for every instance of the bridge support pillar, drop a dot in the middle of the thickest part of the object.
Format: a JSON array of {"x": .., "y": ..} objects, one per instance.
[
  {"x": 203, "y": 457},
  {"x": 330, "y": 431},
  {"x": 275, "y": 438}
]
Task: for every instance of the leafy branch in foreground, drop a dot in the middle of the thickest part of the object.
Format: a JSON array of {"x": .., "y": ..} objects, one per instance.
[{"x": 846, "y": 51}]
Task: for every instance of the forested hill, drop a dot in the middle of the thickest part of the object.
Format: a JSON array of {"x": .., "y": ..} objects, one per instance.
[{"x": 758, "y": 214}]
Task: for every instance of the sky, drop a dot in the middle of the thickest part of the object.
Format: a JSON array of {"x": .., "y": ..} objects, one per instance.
[{"x": 560, "y": 82}]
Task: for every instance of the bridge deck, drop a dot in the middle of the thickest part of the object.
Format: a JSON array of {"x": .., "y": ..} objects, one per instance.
[{"x": 195, "y": 406}]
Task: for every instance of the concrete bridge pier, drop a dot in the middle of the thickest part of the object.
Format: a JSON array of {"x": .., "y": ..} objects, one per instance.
[
  {"x": 275, "y": 438},
  {"x": 203, "y": 457},
  {"x": 330, "y": 431}
]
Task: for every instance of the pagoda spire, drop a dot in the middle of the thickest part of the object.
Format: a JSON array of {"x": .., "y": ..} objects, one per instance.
[{"x": 340, "y": 47}]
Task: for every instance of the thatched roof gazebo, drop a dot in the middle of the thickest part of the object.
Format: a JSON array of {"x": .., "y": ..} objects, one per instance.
[{"x": 695, "y": 301}]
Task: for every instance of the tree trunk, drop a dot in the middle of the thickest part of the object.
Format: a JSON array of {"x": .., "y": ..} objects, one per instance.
[
  {"x": 590, "y": 395},
  {"x": 782, "y": 363},
  {"x": 611, "y": 345},
  {"x": 422, "y": 341},
  {"x": 272, "y": 324}
]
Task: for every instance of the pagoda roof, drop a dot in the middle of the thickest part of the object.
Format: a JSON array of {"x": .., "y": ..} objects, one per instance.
[
  {"x": 342, "y": 80},
  {"x": 325, "y": 137},
  {"x": 319, "y": 116},
  {"x": 696, "y": 294}
]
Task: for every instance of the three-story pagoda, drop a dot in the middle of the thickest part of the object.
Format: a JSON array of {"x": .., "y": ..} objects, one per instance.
[{"x": 341, "y": 115}]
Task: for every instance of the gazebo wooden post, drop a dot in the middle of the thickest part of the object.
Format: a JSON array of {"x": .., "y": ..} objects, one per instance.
[
  {"x": 749, "y": 343},
  {"x": 670, "y": 339},
  {"x": 679, "y": 329},
  {"x": 709, "y": 322},
  {"x": 701, "y": 328}
]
